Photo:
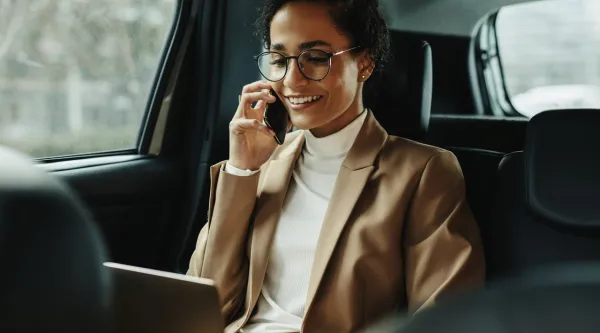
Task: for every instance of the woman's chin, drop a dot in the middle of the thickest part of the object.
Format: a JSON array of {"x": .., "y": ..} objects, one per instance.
[{"x": 305, "y": 123}]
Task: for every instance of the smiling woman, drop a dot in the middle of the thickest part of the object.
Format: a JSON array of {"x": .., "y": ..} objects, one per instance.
[
  {"x": 342, "y": 223},
  {"x": 325, "y": 47}
]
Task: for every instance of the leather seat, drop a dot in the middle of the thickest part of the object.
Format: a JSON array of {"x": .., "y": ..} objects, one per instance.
[
  {"x": 402, "y": 104},
  {"x": 51, "y": 255},
  {"x": 479, "y": 168},
  {"x": 400, "y": 95},
  {"x": 543, "y": 242},
  {"x": 547, "y": 205},
  {"x": 561, "y": 299}
]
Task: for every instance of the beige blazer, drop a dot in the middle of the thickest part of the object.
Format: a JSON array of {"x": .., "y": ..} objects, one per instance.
[{"x": 398, "y": 233}]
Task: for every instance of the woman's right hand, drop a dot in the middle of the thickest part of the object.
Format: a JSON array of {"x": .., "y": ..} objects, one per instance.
[{"x": 251, "y": 142}]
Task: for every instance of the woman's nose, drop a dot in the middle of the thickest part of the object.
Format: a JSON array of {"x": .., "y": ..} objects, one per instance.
[{"x": 294, "y": 77}]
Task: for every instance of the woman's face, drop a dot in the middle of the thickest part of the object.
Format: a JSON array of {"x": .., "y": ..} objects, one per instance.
[{"x": 296, "y": 27}]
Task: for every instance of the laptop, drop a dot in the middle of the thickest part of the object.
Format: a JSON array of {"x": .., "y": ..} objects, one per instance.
[{"x": 151, "y": 301}]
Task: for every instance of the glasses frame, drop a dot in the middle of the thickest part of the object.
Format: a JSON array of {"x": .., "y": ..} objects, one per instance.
[{"x": 288, "y": 58}]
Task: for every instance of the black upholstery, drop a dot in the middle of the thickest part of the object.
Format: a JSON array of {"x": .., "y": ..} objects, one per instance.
[
  {"x": 563, "y": 170},
  {"x": 51, "y": 255},
  {"x": 402, "y": 104},
  {"x": 479, "y": 169},
  {"x": 561, "y": 300},
  {"x": 401, "y": 96},
  {"x": 484, "y": 132},
  {"x": 544, "y": 210}
]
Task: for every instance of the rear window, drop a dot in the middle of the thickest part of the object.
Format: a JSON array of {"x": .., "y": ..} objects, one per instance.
[{"x": 548, "y": 56}]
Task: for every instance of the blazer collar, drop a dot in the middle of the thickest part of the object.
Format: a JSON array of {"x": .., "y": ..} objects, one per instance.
[
  {"x": 268, "y": 209},
  {"x": 352, "y": 178},
  {"x": 353, "y": 175},
  {"x": 367, "y": 145}
]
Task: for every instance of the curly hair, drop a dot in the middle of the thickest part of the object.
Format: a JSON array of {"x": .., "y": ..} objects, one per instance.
[{"x": 360, "y": 20}]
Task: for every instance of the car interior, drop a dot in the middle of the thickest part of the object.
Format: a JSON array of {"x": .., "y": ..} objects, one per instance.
[
  {"x": 52, "y": 252},
  {"x": 462, "y": 76}
]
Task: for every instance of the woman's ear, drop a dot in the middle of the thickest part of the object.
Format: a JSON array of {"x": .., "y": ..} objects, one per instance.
[{"x": 366, "y": 66}]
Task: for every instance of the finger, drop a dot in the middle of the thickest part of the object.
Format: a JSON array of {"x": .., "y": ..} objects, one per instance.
[
  {"x": 256, "y": 86},
  {"x": 246, "y": 101},
  {"x": 260, "y": 105},
  {"x": 258, "y": 96},
  {"x": 241, "y": 126},
  {"x": 258, "y": 111}
]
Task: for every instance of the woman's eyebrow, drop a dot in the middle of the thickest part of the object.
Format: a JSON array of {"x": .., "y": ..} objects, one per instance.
[
  {"x": 301, "y": 46},
  {"x": 311, "y": 44}
]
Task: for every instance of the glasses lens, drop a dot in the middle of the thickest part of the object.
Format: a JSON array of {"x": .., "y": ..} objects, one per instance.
[
  {"x": 314, "y": 64},
  {"x": 272, "y": 66}
]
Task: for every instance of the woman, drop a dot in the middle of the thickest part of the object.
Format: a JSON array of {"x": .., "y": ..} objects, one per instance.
[{"x": 342, "y": 224}]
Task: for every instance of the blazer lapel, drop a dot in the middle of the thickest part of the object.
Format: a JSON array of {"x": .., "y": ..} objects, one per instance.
[
  {"x": 270, "y": 202},
  {"x": 352, "y": 177}
]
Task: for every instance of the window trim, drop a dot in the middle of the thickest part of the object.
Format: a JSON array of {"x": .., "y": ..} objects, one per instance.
[
  {"x": 478, "y": 89},
  {"x": 152, "y": 132},
  {"x": 85, "y": 156},
  {"x": 492, "y": 84},
  {"x": 148, "y": 121},
  {"x": 92, "y": 161}
]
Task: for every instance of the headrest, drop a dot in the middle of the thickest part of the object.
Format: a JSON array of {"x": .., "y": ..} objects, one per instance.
[
  {"x": 51, "y": 253},
  {"x": 401, "y": 96},
  {"x": 562, "y": 166}
]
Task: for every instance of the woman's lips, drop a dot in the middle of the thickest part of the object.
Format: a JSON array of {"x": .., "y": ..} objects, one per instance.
[{"x": 302, "y": 102}]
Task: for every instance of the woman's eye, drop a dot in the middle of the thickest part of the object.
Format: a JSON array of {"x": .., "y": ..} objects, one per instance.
[
  {"x": 318, "y": 59},
  {"x": 278, "y": 62}
]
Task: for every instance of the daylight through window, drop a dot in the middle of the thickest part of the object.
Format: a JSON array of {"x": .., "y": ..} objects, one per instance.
[
  {"x": 75, "y": 75},
  {"x": 550, "y": 54}
]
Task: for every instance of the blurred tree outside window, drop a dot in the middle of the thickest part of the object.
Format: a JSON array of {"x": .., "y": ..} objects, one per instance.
[{"x": 76, "y": 75}]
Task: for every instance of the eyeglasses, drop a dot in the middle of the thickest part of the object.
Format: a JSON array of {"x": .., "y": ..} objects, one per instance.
[{"x": 313, "y": 64}]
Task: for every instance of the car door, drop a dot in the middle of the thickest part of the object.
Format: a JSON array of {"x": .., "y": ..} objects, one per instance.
[{"x": 105, "y": 94}]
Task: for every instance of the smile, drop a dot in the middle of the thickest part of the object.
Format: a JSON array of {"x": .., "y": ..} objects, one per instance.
[
  {"x": 300, "y": 103},
  {"x": 303, "y": 100}
]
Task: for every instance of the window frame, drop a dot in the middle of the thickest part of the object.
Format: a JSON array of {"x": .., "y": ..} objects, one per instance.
[
  {"x": 493, "y": 94},
  {"x": 154, "y": 101}
]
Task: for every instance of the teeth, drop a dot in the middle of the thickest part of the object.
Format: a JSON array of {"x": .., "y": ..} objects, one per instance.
[{"x": 303, "y": 100}]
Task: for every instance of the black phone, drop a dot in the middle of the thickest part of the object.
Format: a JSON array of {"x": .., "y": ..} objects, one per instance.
[{"x": 277, "y": 118}]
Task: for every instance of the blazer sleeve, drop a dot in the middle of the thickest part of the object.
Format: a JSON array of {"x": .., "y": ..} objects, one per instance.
[
  {"x": 220, "y": 252},
  {"x": 442, "y": 244}
]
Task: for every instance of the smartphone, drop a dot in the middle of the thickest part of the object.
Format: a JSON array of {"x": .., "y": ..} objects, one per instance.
[{"x": 277, "y": 118}]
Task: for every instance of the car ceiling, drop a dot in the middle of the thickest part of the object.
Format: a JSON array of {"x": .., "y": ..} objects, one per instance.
[{"x": 450, "y": 17}]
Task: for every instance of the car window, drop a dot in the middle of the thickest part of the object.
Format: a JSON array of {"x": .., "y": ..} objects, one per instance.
[
  {"x": 76, "y": 75},
  {"x": 549, "y": 55}
]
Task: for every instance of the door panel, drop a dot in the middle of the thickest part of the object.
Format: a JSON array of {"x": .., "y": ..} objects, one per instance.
[{"x": 132, "y": 202}]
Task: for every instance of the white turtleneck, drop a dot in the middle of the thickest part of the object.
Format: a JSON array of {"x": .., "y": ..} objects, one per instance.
[{"x": 283, "y": 296}]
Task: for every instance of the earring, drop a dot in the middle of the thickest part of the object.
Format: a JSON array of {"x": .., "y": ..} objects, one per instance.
[{"x": 363, "y": 77}]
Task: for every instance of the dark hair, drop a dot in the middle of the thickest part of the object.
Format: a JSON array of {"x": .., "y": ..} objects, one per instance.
[{"x": 360, "y": 20}]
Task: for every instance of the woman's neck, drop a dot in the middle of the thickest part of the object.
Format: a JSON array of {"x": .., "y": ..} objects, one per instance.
[
  {"x": 333, "y": 146},
  {"x": 340, "y": 122}
]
